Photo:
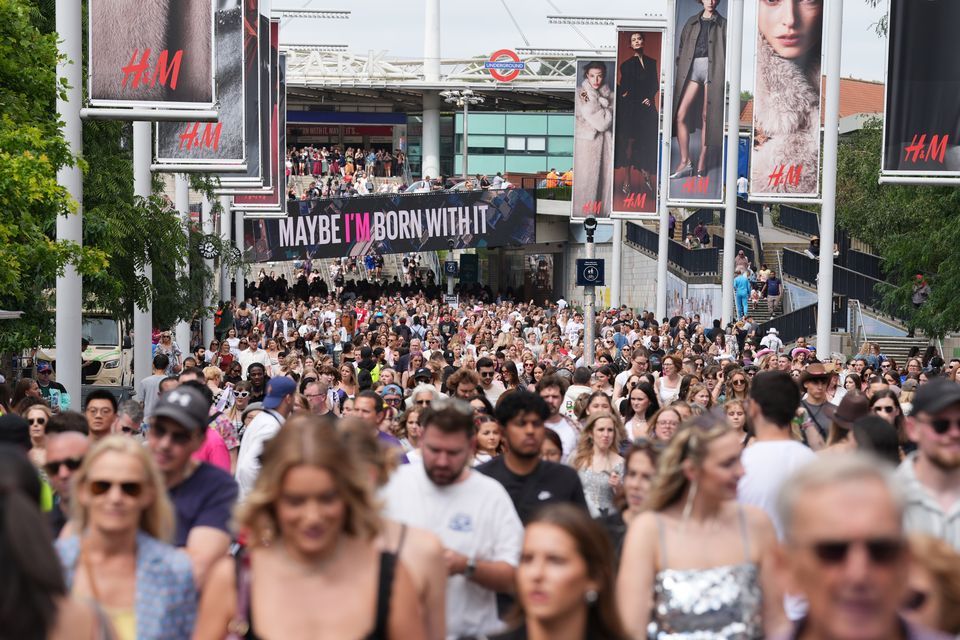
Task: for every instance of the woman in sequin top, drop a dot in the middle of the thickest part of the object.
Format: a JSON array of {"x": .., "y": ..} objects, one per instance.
[{"x": 702, "y": 561}]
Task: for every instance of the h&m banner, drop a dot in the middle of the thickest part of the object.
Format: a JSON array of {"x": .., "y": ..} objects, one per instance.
[
  {"x": 636, "y": 141},
  {"x": 330, "y": 228},
  {"x": 593, "y": 111},
  {"x": 699, "y": 108},
  {"x": 157, "y": 54},
  {"x": 921, "y": 133},
  {"x": 785, "y": 163}
]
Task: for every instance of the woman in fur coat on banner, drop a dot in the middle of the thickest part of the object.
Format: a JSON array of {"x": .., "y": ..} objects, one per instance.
[
  {"x": 786, "y": 114},
  {"x": 593, "y": 148}
]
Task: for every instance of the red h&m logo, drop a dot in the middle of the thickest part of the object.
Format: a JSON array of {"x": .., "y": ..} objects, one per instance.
[
  {"x": 785, "y": 176},
  {"x": 638, "y": 201},
  {"x": 591, "y": 208},
  {"x": 921, "y": 151},
  {"x": 699, "y": 184},
  {"x": 210, "y": 139},
  {"x": 139, "y": 72}
]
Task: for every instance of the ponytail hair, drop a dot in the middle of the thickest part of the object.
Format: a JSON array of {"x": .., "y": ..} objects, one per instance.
[
  {"x": 32, "y": 575},
  {"x": 691, "y": 442}
]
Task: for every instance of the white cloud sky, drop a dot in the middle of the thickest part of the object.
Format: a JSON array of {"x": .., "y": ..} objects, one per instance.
[{"x": 471, "y": 28}]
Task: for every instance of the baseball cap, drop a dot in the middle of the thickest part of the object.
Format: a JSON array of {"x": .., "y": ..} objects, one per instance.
[
  {"x": 392, "y": 389},
  {"x": 423, "y": 372},
  {"x": 43, "y": 365},
  {"x": 935, "y": 396},
  {"x": 185, "y": 406},
  {"x": 278, "y": 389},
  {"x": 448, "y": 356}
]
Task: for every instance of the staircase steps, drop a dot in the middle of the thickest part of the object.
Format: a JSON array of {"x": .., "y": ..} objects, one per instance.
[{"x": 898, "y": 347}]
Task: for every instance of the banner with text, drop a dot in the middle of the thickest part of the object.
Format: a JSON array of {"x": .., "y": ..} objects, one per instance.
[
  {"x": 593, "y": 112},
  {"x": 699, "y": 104},
  {"x": 223, "y": 141},
  {"x": 921, "y": 133},
  {"x": 636, "y": 133},
  {"x": 785, "y": 161},
  {"x": 331, "y": 228},
  {"x": 155, "y": 55}
]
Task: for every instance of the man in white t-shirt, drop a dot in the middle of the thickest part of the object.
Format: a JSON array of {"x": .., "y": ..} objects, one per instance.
[
  {"x": 772, "y": 341},
  {"x": 471, "y": 514},
  {"x": 277, "y": 405},
  {"x": 774, "y": 454},
  {"x": 490, "y": 387},
  {"x": 551, "y": 389},
  {"x": 251, "y": 355}
]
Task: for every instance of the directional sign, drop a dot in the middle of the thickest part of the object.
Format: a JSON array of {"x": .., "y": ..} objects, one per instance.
[
  {"x": 451, "y": 268},
  {"x": 504, "y": 70},
  {"x": 590, "y": 273}
]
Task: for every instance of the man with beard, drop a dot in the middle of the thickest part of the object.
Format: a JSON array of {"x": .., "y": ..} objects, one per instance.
[
  {"x": 257, "y": 375},
  {"x": 470, "y": 513},
  {"x": 530, "y": 481},
  {"x": 930, "y": 476}
]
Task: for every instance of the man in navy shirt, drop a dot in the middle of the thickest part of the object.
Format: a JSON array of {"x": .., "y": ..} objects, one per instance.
[{"x": 203, "y": 495}]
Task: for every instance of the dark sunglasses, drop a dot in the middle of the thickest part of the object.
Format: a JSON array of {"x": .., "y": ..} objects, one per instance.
[
  {"x": 37, "y": 421},
  {"x": 942, "y": 425},
  {"x": 180, "y": 437},
  {"x": 738, "y": 382},
  {"x": 53, "y": 468},
  {"x": 915, "y": 600},
  {"x": 423, "y": 402},
  {"x": 100, "y": 487},
  {"x": 488, "y": 374},
  {"x": 882, "y": 551},
  {"x": 884, "y": 409}
]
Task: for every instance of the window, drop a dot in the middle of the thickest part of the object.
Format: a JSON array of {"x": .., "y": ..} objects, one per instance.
[
  {"x": 516, "y": 144},
  {"x": 536, "y": 144}
]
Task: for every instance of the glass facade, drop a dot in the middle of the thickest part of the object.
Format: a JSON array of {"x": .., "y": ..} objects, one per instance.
[{"x": 502, "y": 142}]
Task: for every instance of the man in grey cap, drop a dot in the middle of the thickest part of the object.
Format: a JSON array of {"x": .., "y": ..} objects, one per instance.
[
  {"x": 203, "y": 495},
  {"x": 930, "y": 476},
  {"x": 277, "y": 405}
]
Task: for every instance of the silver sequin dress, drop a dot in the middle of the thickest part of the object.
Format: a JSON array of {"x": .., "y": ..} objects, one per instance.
[{"x": 720, "y": 603}]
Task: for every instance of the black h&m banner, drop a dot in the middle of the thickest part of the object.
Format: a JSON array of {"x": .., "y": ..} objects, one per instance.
[{"x": 339, "y": 227}]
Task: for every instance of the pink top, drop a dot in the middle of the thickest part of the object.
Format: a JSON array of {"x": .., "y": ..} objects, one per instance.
[{"x": 214, "y": 451}]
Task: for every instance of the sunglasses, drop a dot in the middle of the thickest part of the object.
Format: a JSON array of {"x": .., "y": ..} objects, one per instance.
[
  {"x": 882, "y": 551},
  {"x": 488, "y": 374},
  {"x": 243, "y": 394},
  {"x": 37, "y": 421},
  {"x": 53, "y": 468},
  {"x": 179, "y": 437},
  {"x": 942, "y": 425},
  {"x": 423, "y": 402},
  {"x": 737, "y": 383},
  {"x": 915, "y": 600},
  {"x": 131, "y": 489},
  {"x": 885, "y": 410}
]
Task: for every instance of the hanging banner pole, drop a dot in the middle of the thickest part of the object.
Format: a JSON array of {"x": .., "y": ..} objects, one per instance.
[
  {"x": 665, "y": 142},
  {"x": 734, "y": 54}
]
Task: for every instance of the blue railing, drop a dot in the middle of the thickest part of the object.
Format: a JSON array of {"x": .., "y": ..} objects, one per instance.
[
  {"x": 749, "y": 224},
  {"x": 692, "y": 261},
  {"x": 756, "y": 207},
  {"x": 804, "y": 222}
]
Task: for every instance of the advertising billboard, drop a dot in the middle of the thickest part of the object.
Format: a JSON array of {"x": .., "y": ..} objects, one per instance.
[
  {"x": 636, "y": 139},
  {"x": 594, "y": 103},
  {"x": 785, "y": 160}
]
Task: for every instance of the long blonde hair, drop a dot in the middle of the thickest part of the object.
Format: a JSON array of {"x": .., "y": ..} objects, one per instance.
[
  {"x": 691, "y": 442},
  {"x": 157, "y": 519},
  {"x": 306, "y": 439},
  {"x": 584, "y": 453}
]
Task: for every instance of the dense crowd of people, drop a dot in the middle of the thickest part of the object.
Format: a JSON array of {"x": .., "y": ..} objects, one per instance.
[{"x": 373, "y": 462}]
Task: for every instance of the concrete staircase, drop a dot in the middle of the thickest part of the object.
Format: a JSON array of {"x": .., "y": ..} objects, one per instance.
[{"x": 898, "y": 347}]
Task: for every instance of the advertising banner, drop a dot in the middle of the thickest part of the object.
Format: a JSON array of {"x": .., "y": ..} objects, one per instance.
[
  {"x": 593, "y": 110},
  {"x": 785, "y": 162},
  {"x": 330, "y": 228},
  {"x": 273, "y": 199},
  {"x": 197, "y": 144},
  {"x": 636, "y": 140},
  {"x": 699, "y": 104},
  {"x": 257, "y": 111},
  {"x": 921, "y": 132},
  {"x": 156, "y": 54}
]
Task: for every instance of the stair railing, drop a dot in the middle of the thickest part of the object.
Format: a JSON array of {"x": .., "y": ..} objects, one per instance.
[{"x": 860, "y": 328}]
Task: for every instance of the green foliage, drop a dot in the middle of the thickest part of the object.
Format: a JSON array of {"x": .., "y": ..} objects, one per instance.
[
  {"x": 32, "y": 150},
  {"x": 915, "y": 229}
]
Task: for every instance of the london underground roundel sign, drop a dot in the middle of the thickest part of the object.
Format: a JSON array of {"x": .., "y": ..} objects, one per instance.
[{"x": 504, "y": 65}]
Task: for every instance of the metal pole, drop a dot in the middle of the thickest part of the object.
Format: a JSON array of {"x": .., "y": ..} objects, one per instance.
[
  {"x": 430, "y": 136},
  {"x": 143, "y": 317},
  {"x": 831, "y": 130},
  {"x": 226, "y": 221},
  {"x": 238, "y": 243},
  {"x": 617, "y": 266},
  {"x": 182, "y": 202},
  {"x": 734, "y": 54},
  {"x": 206, "y": 212},
  {"x": 589, "y": 312},
  {"x": 466, "y": 137},
  {"x": 431, "y": 41},
  {"x": 665, "y": 113},
  {"x": 69, "y": 304}
]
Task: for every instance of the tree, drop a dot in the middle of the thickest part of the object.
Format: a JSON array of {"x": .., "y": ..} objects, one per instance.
[
  {"x": 32, "y": 150},
  {"x": 914, "y": 228}
]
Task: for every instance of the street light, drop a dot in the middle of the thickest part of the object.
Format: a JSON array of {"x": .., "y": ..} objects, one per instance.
[{"x": 463, "y": 98}]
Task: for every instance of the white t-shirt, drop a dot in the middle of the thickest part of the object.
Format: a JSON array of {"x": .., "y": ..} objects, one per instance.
[
  {"x": 263, "y": 428},
  {"x": 574, "y": 391},
  {"x": 569, "y": 434},
  {"x": 494, "y": 392},
  {"x": 247, "y": 358},
  {"x": 474, "y": 517},
  {"x": 766, "y": 466}
]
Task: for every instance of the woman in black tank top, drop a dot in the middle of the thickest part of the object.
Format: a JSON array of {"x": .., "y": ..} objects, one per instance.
[{"x": 310, "y": 568}]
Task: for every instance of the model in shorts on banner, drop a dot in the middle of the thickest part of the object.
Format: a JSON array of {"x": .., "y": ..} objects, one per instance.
[
  {"x": 593, "y": 139},
  {"x": 698, "y": 102},
  {"x": 151, "y": 54},
  {"x": 786, "y": 108},
  {"x": 922, "y": 115},
  {"x": 636, "y": 143}
]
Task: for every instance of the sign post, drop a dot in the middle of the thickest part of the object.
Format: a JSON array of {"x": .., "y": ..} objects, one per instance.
[{"x": 590, "y": 293}]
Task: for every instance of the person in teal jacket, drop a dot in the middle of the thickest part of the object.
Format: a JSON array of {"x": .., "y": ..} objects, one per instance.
[{"x": 741, "y": 290}]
